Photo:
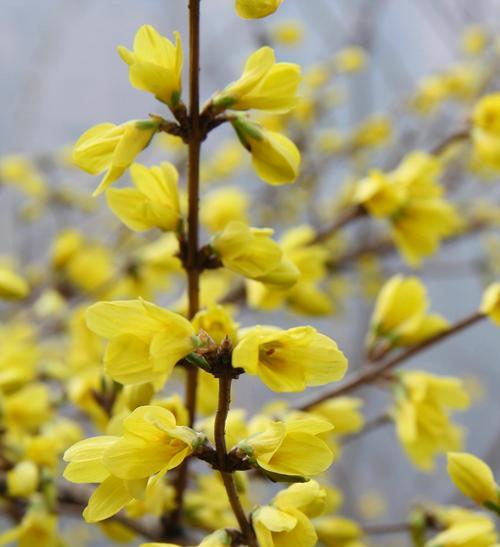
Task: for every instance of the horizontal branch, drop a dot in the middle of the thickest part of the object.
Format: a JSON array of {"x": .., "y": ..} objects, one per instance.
[{"x": 371, "y": 373}]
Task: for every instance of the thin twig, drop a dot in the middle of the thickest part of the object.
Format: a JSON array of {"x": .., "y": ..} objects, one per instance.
[
  {"x": 369, "y": 374},
  {"x": 220, "y": 445},
  {"x": 192, "y": 270}
]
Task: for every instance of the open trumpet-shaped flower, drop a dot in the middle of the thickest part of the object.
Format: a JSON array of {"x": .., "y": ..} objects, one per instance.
[
  {"x": 145, "y": 341},
  {"x": 151, "y": 445},
  {"x": 293, "y": 447},
  {"x": 155, "y": 64},
  {"x": 153, "y": 203},
  {"x": 112, "y": 148},
  {"x": 264, "y": 85},
  {"x": 280, "y": 527},
  {"x": 290, "y": 360},
  {"x": 275, "y": 157}
]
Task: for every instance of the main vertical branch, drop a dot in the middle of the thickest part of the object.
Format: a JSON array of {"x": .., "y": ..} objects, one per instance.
[
  {"x": 173, "y": 524},
  {"x": 193, "y": 272},
  {"x": 220, "y": 445}
]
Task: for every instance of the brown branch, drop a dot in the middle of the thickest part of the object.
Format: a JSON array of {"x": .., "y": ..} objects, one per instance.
[
  {"x": 224, "y": 401},
  {"x": 384, "y": 529},
  {"x": 346, "y": 217},
  {"x": 172, "y": 524},
  {"x": 369, "y": 374},
  {"x": 450, "y": 140},
  {"x": 369, "y": 426}
]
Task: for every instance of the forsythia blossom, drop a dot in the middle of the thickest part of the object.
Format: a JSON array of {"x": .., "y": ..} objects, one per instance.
[
  {"x": 293, "y": 447},
  {"x": 473, "y": 478},
  {"x": 490, "y": 304},
  {"x": 155, "y": 65},
  {"x": 151, "y": 444},
  {"x": 401, "y": 314},
  {"x": 252, "y": 253},
  {"x": 411, "y": 199},
  {"x": 256, "y": 9},
  {"x": 264, "y": 85},
  {"x": 112, "y": 148},
  {"x": 290, "y": 360},
  {"x": 275, "y": 157},
  {"x": 153, "y": 203},
  {"x": 486, "y": 130},
  {"x": 423, "y": 405},
  {"x": 145, "y": 341},
  {"x": 286, "y": 520}
]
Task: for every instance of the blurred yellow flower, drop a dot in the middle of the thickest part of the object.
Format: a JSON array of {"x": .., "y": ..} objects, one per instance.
[
  {"x": 473, "y": 477},
  {"x": 424, "y": 403},
  {"x": 490, "y": 304}
]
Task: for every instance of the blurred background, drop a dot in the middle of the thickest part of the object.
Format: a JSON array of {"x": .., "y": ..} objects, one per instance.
[{"x": 60, "y": 74}]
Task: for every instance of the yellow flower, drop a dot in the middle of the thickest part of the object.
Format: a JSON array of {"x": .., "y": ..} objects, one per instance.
[
  {"x": 37, "y": 527},
  {"x": 223, "y": 162},
  {"x": 305, "y": 296},
  {"x": 151, "y": 445},
  {"x": 217, "y": 322},
  {"x": 379, "y": 195},
  {"x": 474, "y": 40},
  {"x": 490, "y": 304},
  {"x": 339, "y": 532},
  {"x": 219, "y": 538},
  {"x": 27, "y": 409},
  {"x": 472, "y": 477},
  {"x": 343, "y": 413},
  {"x": 22, "y": 479},
  {"x": 256, "y": 9},
  {"x": 20, "y": 172},
  {"x": 289, "y": 33},
  {"x": 475, "y": 533},
  {"x": 12, "y": 286},
  {"x": 208, "y": 506},
  {"x": 275, "y": 157},
  {"x": 222, "y": 206},
  {"x": 112, "y": 148},
  {"x": 252, "y": 253},
  {"x": 264, "y": 85},
  {"x": 401, "y": 315},
  {"x": 280, "y": 527},
  {"x": 410, "y": 199},
  {"x": 424, "y": 403},
  {"x": 463, "y": 528},
  {"x": 293, "y": 447},
  {"x": 145, "y": 341},
  {"x": 373, "y": 132},
  {"x": 308, "y": 497},
  {"x": 290, "y": 360},
  {"x": 155, "y": 65},
  {"x": 486, "y": 130},
  {"x": 153, "y": 203},
  {"x": 350, "y": 59}
]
